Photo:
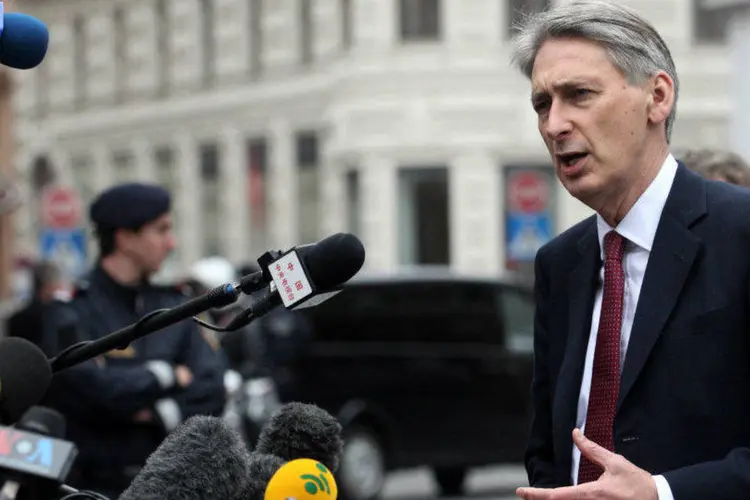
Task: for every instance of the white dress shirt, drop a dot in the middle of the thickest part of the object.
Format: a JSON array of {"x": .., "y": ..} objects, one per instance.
[{"x": 638, "y": 228}]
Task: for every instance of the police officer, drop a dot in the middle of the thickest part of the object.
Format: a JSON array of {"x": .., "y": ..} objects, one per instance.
[{"x": 119, "y": 407}]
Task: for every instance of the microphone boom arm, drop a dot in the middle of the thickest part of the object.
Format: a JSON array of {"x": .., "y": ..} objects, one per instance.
[{"x": 221, "y": 296}]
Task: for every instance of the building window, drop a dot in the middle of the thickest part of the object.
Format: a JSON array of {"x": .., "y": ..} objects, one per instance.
[
  {"x": 424, "y": 223},
  {"x": 121, "y": 59},
  {"x": 164, "y": 160},
  {"x": 162, "y": 47},
  {"x": 306, "y": 31},
  {"x": 211, "y": 205},
  {"x": 208, "y": 35},
  {"x": 308, "y": 178},
  {"x": 42, "y": 174},
  {"x": 353, "y": 201},
  {"x": 82, "y": 166},
  {"x": 346, "y": 24},
  {"x": 124, "y": 166},
  {"x": 79, "y": 63},
  {"x": 256, "y": 36},
  {"x": 518, "y": 9},
  {"x": 166, "y": 176},
  {"x": 257, "y": 194},
  {"x": 420, "y": 20},
  {"x": 710, "y": 25}
]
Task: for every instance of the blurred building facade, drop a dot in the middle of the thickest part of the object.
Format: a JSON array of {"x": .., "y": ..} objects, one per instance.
[{"x": 278, "y": 122}]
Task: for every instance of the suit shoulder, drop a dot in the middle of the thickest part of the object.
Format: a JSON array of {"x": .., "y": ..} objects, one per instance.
[
  {"x": 566, "y": 241},
  {"x": 730, "y": 203}
]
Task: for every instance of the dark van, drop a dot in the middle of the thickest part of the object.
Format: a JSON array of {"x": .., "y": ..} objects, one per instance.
[{"x": 422, "y": 369}]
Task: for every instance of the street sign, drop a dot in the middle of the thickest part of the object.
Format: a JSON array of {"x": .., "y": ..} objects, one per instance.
[
  {"x": 529, "y": 212},
  {"x": 61, "y": 207},
  {"x": 67, "y": 248},
  {"x": 528, "y": 191},
  {"x": 527, "y": 233}
]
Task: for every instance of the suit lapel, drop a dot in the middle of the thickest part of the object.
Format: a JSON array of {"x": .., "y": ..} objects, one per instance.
[
  {"x": 672, "y": 255},
  {"x": 581, "y": 286}
]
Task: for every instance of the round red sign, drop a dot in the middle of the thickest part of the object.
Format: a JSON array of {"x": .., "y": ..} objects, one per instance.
[
  {"x": 528, "y": 192},
  {"x": 61, "y": 207}
]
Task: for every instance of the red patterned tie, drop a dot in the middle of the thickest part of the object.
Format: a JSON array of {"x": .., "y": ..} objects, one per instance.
[{"x": 605, "y": 379}]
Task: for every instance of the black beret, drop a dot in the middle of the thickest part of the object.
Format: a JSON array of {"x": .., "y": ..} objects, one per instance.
[{"x": 129, "y": 206}]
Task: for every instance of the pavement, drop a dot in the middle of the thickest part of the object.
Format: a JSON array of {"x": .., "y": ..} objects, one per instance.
[{"x": 488, "y": 483}]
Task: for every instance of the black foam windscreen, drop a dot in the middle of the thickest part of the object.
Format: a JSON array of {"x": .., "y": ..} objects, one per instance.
[
  {"x": 43, "y": 420},
  {"x": 262, "y": 468},
  {"x": 301, "y": 430},
  {"x": 202, "y": 459},
  {"x": 334, "y": 260},
  {"x": 25, "y": 376}
]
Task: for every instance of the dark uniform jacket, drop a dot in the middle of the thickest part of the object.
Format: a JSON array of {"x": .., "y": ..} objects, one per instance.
[{"x": 100, "y": 398}]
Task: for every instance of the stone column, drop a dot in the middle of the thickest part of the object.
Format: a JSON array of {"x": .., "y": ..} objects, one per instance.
[{"x": 739, "y": 46}]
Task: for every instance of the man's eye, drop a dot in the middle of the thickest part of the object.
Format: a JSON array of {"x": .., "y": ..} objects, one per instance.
[
  {"x": 539, "y": 107},
  {"x": 578, "y": 93}
]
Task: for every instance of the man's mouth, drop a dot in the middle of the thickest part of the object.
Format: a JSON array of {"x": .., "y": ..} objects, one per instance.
[{"x": 570, "y": 159}]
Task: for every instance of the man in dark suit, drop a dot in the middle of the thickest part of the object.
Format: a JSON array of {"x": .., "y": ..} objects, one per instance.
[{"x": 642, "y": 333}]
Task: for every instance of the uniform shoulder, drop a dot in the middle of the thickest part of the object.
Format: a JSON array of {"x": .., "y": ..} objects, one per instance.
[
  {"x": 176, "y": 291},
  {"x": 80, "y": 288}
]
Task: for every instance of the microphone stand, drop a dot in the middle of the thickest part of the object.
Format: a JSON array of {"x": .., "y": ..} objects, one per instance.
[{"x": 222, "y": 295}]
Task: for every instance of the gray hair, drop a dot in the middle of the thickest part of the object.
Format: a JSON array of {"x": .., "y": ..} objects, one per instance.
[
  {"x": 718, "y": 164},
  {"x": 632, "y": 43}
]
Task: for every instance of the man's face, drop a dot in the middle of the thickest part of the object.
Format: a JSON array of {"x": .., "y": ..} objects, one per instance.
[
  {"x": 151, "y": 245},
  {"x": 594, "y": 122}
]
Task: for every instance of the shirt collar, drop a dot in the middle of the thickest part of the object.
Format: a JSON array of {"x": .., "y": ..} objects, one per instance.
[{"x": 640, "y": 223}]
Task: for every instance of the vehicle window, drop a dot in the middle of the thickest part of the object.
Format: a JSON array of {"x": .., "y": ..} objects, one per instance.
[{"x": 517, "y": 309}]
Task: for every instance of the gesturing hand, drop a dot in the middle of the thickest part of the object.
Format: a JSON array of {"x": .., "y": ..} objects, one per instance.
[{"x": 621, "y": 479}]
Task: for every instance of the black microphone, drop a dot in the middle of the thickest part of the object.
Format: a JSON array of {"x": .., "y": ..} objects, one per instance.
[
  {"x": 25, "y": 377},
  {"x": 305, "y": 276},
  {"x": 301, "y": 430},
  {"x": 202, "y": 459}
]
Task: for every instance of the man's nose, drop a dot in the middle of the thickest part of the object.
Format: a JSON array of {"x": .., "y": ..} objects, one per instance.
[{"x": 557, "y": 124}]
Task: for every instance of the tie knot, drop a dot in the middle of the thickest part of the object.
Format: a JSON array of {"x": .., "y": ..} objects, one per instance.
[{"x": 614, "y": 246}]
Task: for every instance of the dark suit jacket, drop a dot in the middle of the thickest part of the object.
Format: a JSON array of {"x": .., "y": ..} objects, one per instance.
[{"x": 684, "y": 403}]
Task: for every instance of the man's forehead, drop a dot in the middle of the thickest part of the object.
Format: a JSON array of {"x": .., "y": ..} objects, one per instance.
[{"x": 569, "y": 57}]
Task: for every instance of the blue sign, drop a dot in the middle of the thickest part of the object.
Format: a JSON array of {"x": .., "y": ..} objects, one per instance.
[
  {"x": 526, "y": 233},
  {"x": 67, "y": 248}
]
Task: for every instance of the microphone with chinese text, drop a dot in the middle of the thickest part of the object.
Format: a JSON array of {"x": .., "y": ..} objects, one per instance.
[
  {"x": 202, "y": 459},
  {"x": 23, "y": 40},
  {"x": 304, "y": 276}
]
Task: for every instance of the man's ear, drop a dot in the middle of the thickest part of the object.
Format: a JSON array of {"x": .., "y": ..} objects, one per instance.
[{"x": 661, "y": 97}]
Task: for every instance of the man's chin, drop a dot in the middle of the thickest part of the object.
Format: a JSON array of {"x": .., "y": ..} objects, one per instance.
[{"x": 582, "y": 188}]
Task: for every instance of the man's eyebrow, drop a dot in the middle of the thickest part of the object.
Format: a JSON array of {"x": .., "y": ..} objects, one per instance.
[{"x": 561, "y": 86}]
